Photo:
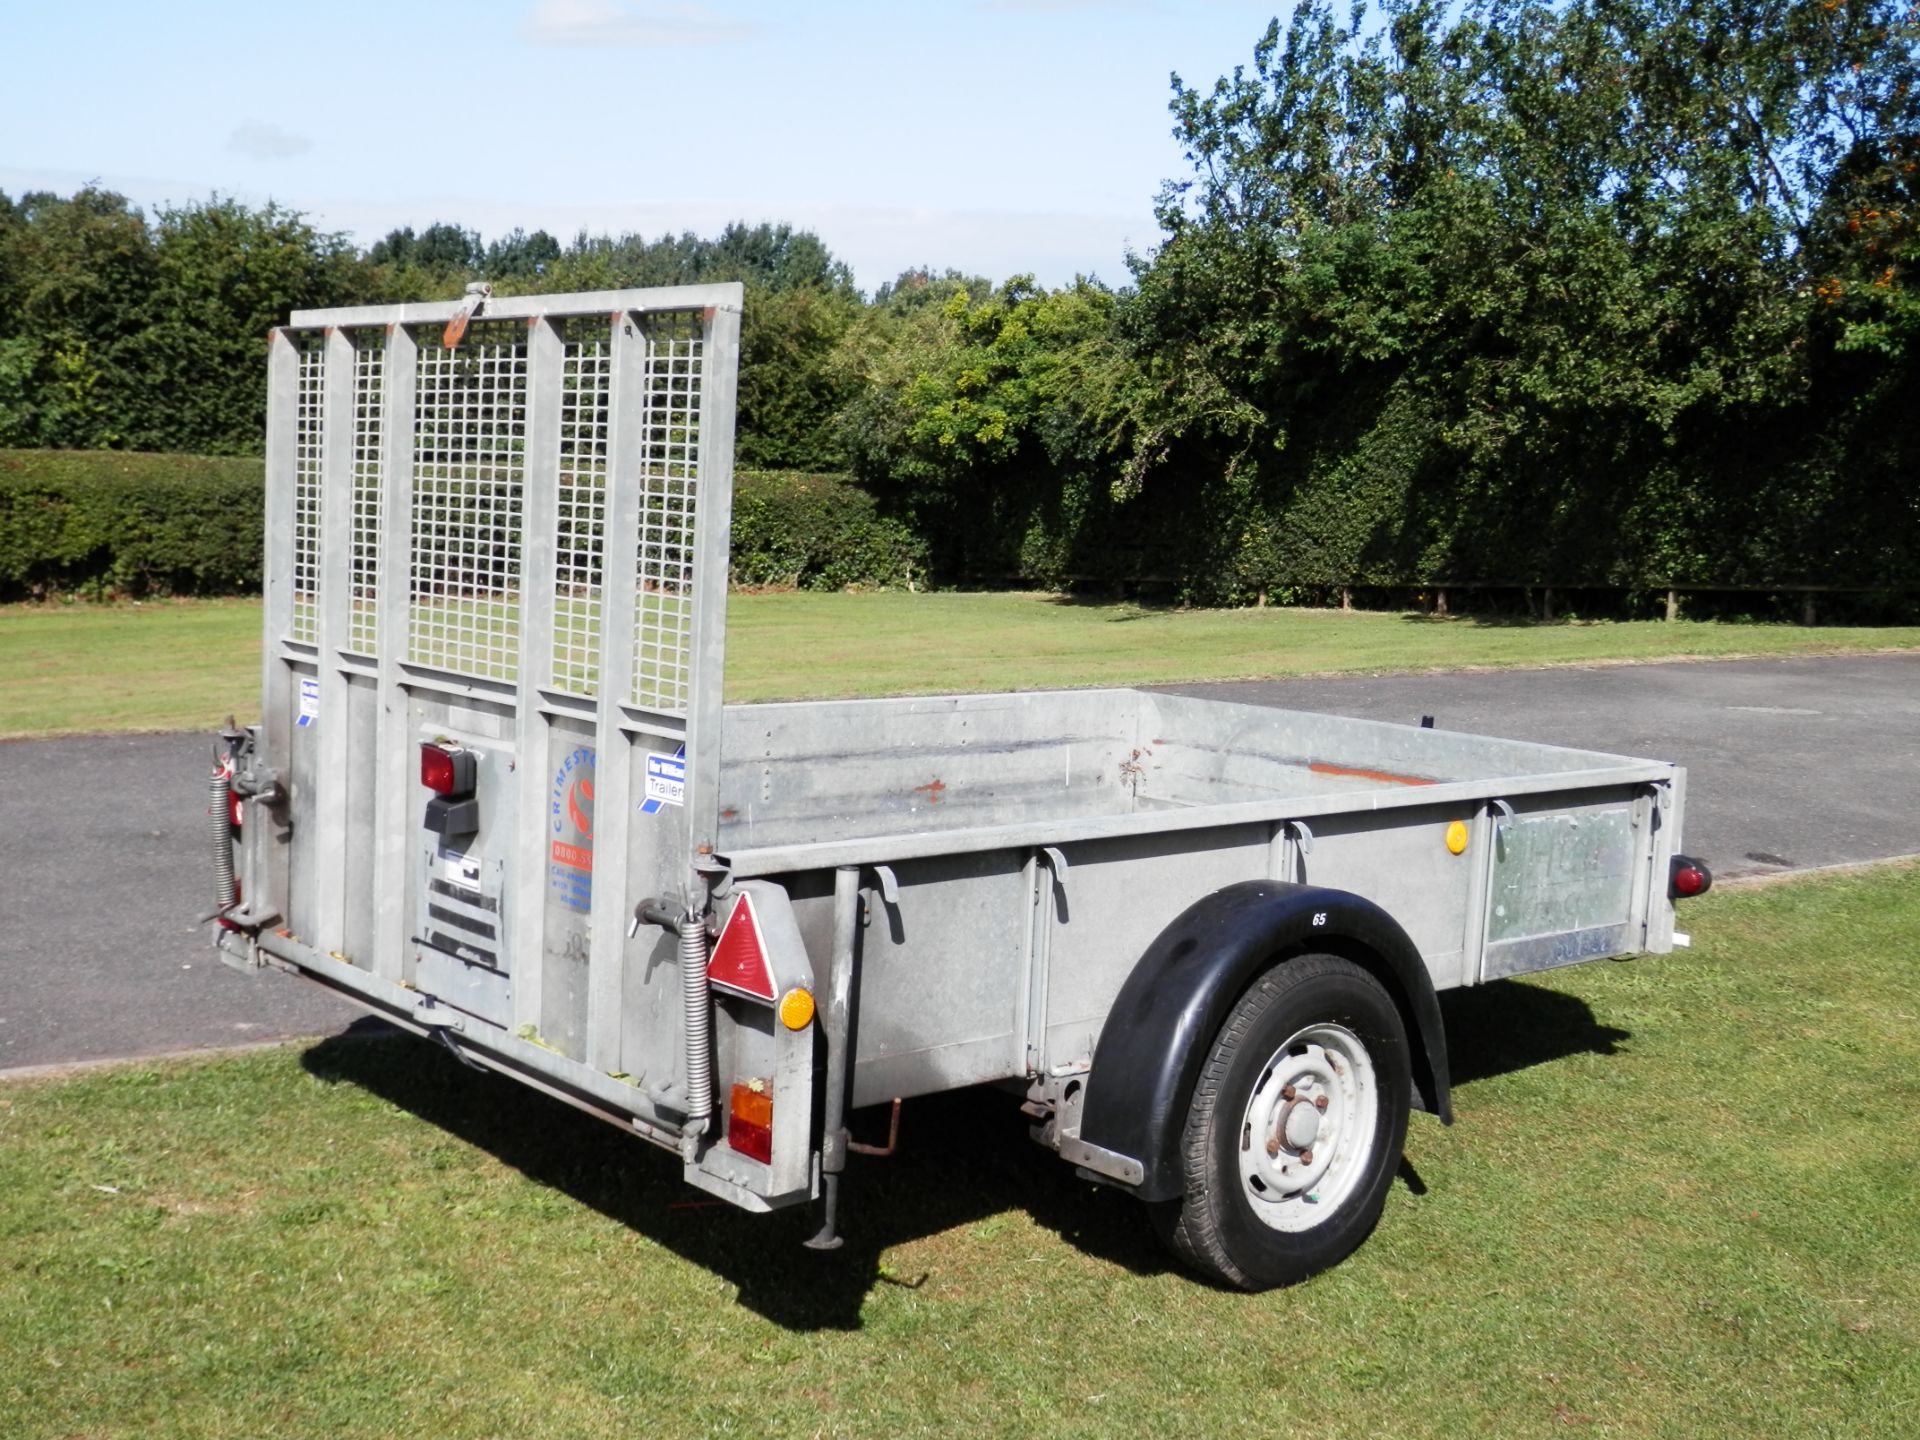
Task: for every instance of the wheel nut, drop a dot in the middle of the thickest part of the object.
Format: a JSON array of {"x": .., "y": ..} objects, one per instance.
[
  {"x": 1273, "y": 1148},
  {"x": 1306, "y": 1157},
  {"x": 1319, "y": 1102},
  {"x": 1287, "y": 1092}
]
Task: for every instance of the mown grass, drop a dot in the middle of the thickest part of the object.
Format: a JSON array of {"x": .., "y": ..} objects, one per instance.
[
  {"x": 1678, "y": 1202},
  {"x": 82, "y": 669}
]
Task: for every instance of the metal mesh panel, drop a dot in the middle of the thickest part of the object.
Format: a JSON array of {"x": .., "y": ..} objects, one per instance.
[
  {"x": 669, "y": 486},
  {"x": 469, "y": 455},
  {"x": 309, "y": 464},
  {"x": 580, "y": 526},
  {"x": 369, "y": 427}
]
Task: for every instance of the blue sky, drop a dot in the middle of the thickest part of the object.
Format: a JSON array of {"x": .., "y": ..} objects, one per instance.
[{"x": 994, "y": 136}]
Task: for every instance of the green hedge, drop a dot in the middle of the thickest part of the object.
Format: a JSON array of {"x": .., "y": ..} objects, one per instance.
[
  {"x": 818, "y": 532},
  {"x": 104, "y": 523},
  {"x": 114, "y": 523}
]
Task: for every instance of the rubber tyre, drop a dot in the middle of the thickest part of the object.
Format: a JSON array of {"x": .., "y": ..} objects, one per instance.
[{"x": 1214, "y": 1227}]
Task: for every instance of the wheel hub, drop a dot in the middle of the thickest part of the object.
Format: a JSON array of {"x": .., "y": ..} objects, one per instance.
[
  {"x": 1300, "y": 1124},
  {"x": 1308, "y": 1127}
]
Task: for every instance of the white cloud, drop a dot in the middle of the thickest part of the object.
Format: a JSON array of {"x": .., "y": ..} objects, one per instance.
[
  {"x": 258, "y": 140},
  {"x": 629, "y": 23}
]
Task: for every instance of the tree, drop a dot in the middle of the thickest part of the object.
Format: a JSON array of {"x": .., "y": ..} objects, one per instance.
[
  {"x": 78, "y": 272},
  {"x": 224, "y": 275},
  {"x": 1564, "y": 244}
]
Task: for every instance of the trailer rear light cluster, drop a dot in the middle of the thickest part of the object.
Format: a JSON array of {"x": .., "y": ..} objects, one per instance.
[
  {"x": 451, "y": 773},
  {"x": 447, "y": 769},
  {"x": 750, "y": 1121},
  {"x": 1689, "y": 878}
]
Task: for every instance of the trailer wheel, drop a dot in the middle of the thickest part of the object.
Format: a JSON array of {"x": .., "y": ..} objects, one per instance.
[{"x": 1295, "y": 1127}]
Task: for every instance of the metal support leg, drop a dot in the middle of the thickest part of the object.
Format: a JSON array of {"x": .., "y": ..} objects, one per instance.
[{"x": 839, "y": 1026}]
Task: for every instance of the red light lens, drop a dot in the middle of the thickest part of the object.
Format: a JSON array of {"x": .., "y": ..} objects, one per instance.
[
  {"x": 750, "y": 1122},
  {"x": 751, "y": 1140},
  {"x": 436, "y": 769},
  {"x": 1688, "y": 878}
]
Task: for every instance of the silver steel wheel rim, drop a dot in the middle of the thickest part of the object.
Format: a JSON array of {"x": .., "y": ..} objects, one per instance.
[{"x": 1301, "y": 1159}]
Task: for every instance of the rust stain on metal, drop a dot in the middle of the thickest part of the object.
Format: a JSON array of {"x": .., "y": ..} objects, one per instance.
[
  {"x": 706, "y": 315},
  {"x": 933, "y": 790},
  {"x": 455, "y": 331},
  {"x": 728, "y": 813},
  {"x": 1385, "y": 777}
]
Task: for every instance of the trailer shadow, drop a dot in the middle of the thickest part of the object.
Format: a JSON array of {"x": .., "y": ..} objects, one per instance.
[
  {"x": 1509, "y": 1025},
  {"x": 963, "y": 1159}
]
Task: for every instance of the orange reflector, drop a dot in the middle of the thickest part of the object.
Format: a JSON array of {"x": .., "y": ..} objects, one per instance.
[
  {"x": 1457, "y": 836},
  {"x": 750, "y": 1121},
  {"x": 796, "y": 1008},
  {"x": 739, "y": 963}
]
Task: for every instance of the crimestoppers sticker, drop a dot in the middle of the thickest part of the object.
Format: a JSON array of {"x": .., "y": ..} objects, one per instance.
[
  {"x": 666, "y": 781},
  {"x": 570, "y": 811},
  {"x": 309, "y": 701}
]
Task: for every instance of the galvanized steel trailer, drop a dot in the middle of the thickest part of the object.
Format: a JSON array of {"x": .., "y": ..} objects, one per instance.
[{"x": 495, "y": 796}]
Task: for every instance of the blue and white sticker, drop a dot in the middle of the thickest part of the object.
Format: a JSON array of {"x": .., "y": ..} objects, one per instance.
[
  {"x": 309, "y": 701},
  {"x": 666, "y": 781}
]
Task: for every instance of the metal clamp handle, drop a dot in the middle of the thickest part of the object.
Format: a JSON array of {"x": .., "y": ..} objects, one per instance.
[{"x": 1057, "y": 863}]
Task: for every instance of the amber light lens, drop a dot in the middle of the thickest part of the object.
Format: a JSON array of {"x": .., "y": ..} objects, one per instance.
[
  {"x": 796, "y": 1008},
  {"x": 750, "y": 1122}
]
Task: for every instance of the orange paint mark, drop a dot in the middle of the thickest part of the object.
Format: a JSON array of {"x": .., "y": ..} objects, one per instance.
[
  {"x": 1385, "y": 777},
  {"x": 933, "y": 790}
]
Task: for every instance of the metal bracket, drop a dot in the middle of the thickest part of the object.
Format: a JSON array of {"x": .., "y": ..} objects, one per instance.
[
  {"x": 1100, "y": 1162},
  {"x": 478, "y": 294},
  {"x": 1301, "y": 834},
  {"x": 435, "y": 1017},
  {"x": 889, "y": 886},
  {"x": 1504, "y": 811},
  {"x": 1057, "y": 863}
]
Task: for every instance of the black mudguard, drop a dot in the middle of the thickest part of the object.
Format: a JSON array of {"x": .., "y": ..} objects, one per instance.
[{"x": 1180, "y": 993}]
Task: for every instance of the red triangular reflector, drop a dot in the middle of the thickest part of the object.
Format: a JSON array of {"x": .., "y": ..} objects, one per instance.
[{"x": 739, "y": 962}]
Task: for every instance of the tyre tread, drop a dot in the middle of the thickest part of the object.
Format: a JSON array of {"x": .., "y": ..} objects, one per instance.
[{"x": 1191, "y": 1227}]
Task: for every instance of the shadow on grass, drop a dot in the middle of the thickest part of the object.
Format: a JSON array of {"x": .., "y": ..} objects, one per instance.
[
  {"x": 1492, "y": 621},
  {"x": 1510, "y": 1025},
  {"x": 963, "y": 1158}
]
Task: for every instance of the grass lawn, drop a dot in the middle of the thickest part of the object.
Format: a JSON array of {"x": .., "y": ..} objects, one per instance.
[
  {"x": 1679, "y": 1202},
  {"x": 83, "y": 669}
]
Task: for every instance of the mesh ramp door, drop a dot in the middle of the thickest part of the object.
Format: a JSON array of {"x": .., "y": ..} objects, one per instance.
[{"x": 518, "y": 541}]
